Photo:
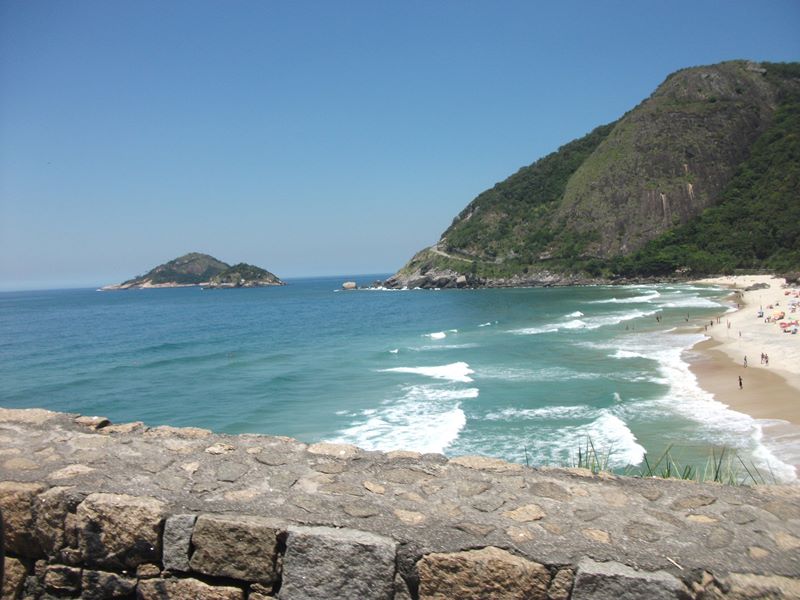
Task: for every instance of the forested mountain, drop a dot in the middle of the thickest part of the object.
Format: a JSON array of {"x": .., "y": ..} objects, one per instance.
[{"x": 701, "y": 177}]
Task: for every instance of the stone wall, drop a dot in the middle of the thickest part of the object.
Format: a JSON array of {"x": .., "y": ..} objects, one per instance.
[{"x": 95, "y": 510}]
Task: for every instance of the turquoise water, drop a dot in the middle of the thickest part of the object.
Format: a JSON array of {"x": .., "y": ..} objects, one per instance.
[{"x": 498, "y": 372}]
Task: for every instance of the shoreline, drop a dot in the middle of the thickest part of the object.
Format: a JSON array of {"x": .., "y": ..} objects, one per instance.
[{"x": 769, "y": 394}]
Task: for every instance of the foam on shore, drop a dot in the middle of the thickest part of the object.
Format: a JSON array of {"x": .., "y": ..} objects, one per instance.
[{"x": 718, "y": 424}]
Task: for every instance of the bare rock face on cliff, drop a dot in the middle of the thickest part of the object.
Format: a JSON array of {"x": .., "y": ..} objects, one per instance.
[{"x": 706, "y": 136}]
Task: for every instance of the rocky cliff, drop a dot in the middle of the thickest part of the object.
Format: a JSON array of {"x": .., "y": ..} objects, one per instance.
[
  {"x": 96, "y": 510},
  {"x": 572, "y": 214}
]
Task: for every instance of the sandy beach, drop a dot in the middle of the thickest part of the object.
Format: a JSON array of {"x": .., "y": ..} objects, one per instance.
[{"x": 769, "y": 391}]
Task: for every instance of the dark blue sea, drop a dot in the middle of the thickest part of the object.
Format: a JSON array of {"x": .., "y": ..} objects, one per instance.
[{"x": 522, "y": 374}]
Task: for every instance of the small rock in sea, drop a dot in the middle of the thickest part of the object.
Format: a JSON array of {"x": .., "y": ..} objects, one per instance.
[{"x": 349, "y": 285}]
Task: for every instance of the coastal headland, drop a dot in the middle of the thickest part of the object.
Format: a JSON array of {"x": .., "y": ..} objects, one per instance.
[
  {"x": 97, "y": 510},
  {"x": 770, "y": 387}
]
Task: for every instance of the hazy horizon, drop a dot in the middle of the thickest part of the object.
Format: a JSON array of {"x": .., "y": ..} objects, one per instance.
[{"x": 311, "y": 139}]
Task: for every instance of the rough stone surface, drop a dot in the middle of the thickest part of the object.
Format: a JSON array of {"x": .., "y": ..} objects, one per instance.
[
  {"x": 322, "y": 562},
  {"x": 427, "y": 505},
  {"x": 177, "y": 541},
  {"x": 93, "y": 422},
  {"x": 185, "y": 589},
  {"x": 240, "y": 547},
  {"x": 16, "y": 504},
  {"x": 147, "y": 571},
  {"x": 484, "y": 463},
  {"x": 51, "y": 509},
  {"x": 98, "y": 585},
  {"x": 614, "y": 581},
  {"x": 59, "y": 579},
  {"x": 335, "y": 450},
  {"x": 119, "y": 531},
  {"x": 479, "y": 574},
  {"x": 745, "y": 587},
  {"x": 529, "y": 512},
  {"x": 14, "y": 577},
  {"x": 561, "y": 585}
]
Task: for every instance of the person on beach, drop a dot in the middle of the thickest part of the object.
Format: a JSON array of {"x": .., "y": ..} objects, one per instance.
[
  {"x": 740, "y": 382},
  {"x": 745, "y": 362}
]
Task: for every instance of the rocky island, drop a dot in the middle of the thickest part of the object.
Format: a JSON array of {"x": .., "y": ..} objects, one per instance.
[
  {"x": 197, "y": 269},
  {"x": 700, "y": 178}
]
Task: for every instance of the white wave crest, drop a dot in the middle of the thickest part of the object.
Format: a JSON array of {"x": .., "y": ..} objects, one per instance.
[
  {"x": 587, "y": 323},
  {"x": 427, "y": 418},
  {"x": 652, "y": 295},
  {"x": 543, "y": 413},
  {"x": 688, "y": 302},
  {"x": 523, "y": 374},
  {"x": 535, "y": 330},
  {"x": 457, "y": 371},
  {"x": 574, "y": 324},
  {"x": 445, "y": 347},
  {"x": 627, "y": 354},
  {"x": 437, "y": 335},
  {"x": 558, "y": 444},
  {"x": 575, "y": 315}
]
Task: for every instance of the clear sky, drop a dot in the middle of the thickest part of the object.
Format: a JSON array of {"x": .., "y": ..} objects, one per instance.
[{"x": 310, "y": 138}]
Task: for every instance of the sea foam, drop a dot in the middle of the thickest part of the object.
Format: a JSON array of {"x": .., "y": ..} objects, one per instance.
[
  {"x": 457, "y": 371},
  {"x": 425, "y": 418},
  {"x": 648, "y": 297},
  {"x": 558, "y": 444},
  {"x": 588, "y": 323},
  {"x": 718, "y": 424}
]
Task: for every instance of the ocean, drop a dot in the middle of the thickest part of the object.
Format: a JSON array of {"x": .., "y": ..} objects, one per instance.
[{"x": 528, "y": 375}]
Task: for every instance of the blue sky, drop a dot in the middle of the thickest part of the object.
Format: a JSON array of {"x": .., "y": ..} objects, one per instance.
[{"x": 309, "y": 138}]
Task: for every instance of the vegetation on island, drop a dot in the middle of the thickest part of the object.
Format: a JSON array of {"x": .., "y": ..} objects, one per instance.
[
  {"x": 196, "y": 268},
  {"x": 702, "y": 177},
  {"x": 242, "y": 274},
  {"x": 190, "y": 269}
]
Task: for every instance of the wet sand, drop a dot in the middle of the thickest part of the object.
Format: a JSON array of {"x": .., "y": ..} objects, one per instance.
[
  {"x": 770, "y": 393},
  {"x": 764, "y": 393}
]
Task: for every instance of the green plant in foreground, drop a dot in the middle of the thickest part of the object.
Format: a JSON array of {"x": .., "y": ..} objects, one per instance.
[
  {"x": 589, "y": 458},
  {"x": 723, "y": 466}
]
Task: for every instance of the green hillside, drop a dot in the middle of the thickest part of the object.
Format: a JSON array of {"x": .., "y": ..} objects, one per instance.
[
  {"x": 756, "y": 224},
  {"x": 192, "y": 268},
  {"x": 244, "y": 275},
  {"x": 655, "y": 193},
  {"x": 196, "y": 269}
]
